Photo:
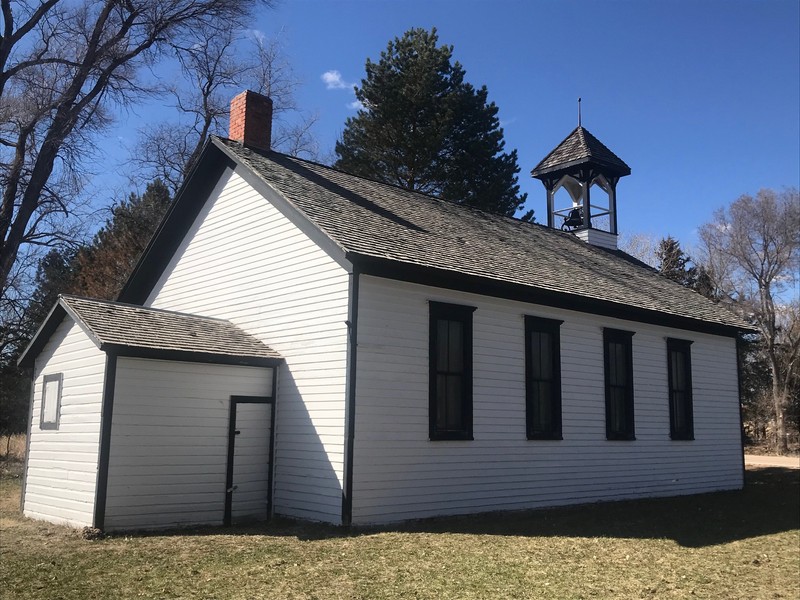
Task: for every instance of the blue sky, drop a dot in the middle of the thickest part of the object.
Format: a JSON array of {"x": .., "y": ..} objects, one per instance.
[{"x": 700, "y": 98}]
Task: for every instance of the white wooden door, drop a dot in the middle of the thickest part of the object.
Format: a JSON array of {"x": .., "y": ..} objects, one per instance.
[{"x": 251, "y": 443}]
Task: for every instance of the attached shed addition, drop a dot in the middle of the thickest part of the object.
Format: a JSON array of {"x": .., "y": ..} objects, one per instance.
[{"x": 144, "y": 418}]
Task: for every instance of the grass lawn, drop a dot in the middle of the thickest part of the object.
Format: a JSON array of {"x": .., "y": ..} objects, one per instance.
[{"x": 725, "y": 545}]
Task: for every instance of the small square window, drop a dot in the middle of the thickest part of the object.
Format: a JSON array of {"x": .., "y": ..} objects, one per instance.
[{"x": 51, "y": 401}]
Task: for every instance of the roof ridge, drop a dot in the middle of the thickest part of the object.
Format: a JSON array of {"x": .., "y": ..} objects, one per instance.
[
  {"x": 470, "y": 241},
  {"x": 266, "y": 153},
  {"x": 511, "y": 220},
  {"x": 68, "y": 297}
]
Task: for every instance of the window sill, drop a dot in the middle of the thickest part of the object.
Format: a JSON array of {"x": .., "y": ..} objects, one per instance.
[
  {"x": 448, "y": 435},
  {"x": 621, "y": 438},
  {"x": 545, "y": 436}
]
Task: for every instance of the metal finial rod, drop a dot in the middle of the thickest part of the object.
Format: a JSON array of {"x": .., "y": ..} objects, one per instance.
[{"x": 579, "y": 112}]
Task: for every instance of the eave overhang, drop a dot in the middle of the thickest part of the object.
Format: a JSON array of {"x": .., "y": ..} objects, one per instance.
[{"x": 429, "y": 276}]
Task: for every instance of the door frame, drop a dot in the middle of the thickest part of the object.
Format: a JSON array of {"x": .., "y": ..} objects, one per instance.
[{"x": 234, "y": 401}]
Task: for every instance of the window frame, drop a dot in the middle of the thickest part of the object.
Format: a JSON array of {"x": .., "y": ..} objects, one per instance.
[
  {"x": 684, "y": 347},
  {"x": 450, "y": 312},
  {"x": 618, "y": 336},
  {"x": 552, "y": 327},
  {"x": 53, "y": 425}
]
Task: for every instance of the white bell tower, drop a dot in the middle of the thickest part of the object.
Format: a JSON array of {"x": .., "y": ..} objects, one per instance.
[{"x": 589, "y": 172}]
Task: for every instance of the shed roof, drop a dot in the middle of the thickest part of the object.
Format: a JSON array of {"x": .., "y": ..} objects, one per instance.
[{"x": 135, "y": 330}]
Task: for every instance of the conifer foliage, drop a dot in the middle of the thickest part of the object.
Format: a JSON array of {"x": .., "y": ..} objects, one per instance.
[
  {"x": 103, "y": 267},
  {"x": 424, "y": 128},
  {"x": 675, "y": 264}
]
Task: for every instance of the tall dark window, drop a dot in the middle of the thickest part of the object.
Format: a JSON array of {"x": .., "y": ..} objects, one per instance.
[
  {"x": 543, "y": 378},
  {"x": 450, "y": 407},
  {"x": 679, "y": 372},
  {"x": 619, "y": 384}
]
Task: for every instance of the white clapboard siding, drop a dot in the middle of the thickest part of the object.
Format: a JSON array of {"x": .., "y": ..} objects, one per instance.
[
  {"x": 400, "y": 474},
  {"x": 62, "y": 464},
  {"x": 244, "y": 261},
  {"x": 169, "y": 441}
]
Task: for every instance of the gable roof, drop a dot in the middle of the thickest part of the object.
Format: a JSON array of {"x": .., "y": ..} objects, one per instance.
[
  {"x": 387, "y": 231},
  {"x": 134, "y": 330},
  {"x": 581, "y": 147}
]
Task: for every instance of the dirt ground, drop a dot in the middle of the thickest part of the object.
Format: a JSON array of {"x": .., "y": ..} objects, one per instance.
[{"x": 755, "y": 460}]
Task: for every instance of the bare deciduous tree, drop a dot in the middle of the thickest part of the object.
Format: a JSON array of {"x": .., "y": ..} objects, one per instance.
[
  {"x": 213, "y": 72},
  {"x": 642, "y": 246},
  {"x": 272, "y": 75},
  {"x": 210, "y": 68},
  {"x": 63, "y": 65},
  {"x": 752, "y": 254}
]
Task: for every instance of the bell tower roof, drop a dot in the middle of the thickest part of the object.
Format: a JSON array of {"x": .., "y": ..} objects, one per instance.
[
  {"x": 579, "y": 149},
  {"x": 581, "y": 176}
]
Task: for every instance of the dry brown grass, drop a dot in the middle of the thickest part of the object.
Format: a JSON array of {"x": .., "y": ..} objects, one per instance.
[
  {"x": 12, "y": 454},
  {"x": 12, "y": 447},
  {"x": 725, "y": 545}
]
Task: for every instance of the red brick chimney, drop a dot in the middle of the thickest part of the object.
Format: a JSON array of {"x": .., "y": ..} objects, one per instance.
[{"x": 251, "y": 120}]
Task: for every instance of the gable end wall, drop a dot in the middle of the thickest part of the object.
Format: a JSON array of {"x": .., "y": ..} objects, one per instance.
[
  {"x": 61, "y": 465},
  {"x": 244, "y": 261}
]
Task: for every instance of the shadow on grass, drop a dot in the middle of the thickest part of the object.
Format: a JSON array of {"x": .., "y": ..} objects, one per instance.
[{"x": 769, "y": 503}]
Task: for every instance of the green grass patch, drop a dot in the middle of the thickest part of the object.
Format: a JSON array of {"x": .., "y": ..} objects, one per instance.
[{"x": 725, "y": 545}]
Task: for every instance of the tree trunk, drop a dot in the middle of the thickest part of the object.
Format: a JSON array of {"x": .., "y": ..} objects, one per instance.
[{"x": 778, "y": 396}]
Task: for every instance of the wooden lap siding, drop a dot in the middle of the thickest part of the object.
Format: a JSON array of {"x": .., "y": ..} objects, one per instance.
[
  {"x": 244, "y": 261},
  {"x": 62, "y": 464},
  {"x": 169, "y": 440},
  {"x": 400, "y": 474}
]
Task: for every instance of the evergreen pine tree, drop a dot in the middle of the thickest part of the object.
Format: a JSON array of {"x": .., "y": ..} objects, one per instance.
[
  {"x": 673, "y": 261},
  {"x": 423, "y": 128},
  {"x": 103, "y": 267},
  {"x": 675, "y": 264},
  {"x": 55, "y": 275}
]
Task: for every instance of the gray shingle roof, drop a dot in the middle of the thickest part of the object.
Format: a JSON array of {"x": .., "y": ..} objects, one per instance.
[
  {"x": 579, "y": 147},
  {"x": 370, "y": 219},
  {"x": 127, "y": 325}
]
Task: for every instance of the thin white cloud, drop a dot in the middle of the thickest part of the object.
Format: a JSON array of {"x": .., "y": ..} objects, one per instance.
[
  {"x": 355, "y": 105},
  {"x": 258, "y": 35},
  {"x": 333, "y": 80}
]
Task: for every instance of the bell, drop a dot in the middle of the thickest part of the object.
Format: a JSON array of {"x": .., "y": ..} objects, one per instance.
[{"x": 574, "y": 219}]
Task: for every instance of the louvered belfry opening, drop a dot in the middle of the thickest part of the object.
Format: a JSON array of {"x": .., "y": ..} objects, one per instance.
[
  {"x": 588, "y": 173},
  {"x": 251, "y": 120}
]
